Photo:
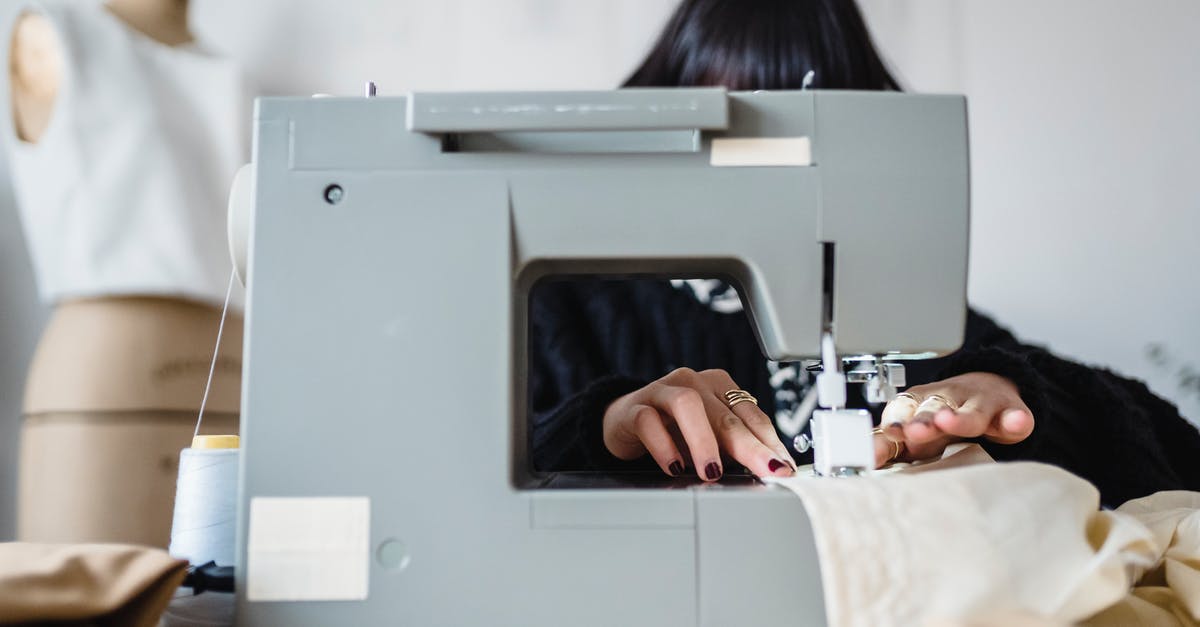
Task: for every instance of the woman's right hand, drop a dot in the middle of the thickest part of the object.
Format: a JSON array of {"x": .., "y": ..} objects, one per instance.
[{"x": 683, "y": 417}]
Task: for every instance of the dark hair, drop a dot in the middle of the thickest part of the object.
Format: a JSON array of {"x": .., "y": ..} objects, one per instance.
[{"x": 765, "y": 44}]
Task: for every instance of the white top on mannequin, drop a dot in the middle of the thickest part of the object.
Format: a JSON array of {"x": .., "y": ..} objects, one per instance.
[{"x": 125, "y": 191}]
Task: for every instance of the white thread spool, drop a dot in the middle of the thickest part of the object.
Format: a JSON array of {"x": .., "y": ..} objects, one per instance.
[
  {"x": 206, "y": 501},
  {"x": 205, "y": 517}
]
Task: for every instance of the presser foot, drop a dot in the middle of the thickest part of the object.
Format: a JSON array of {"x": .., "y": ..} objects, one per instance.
[{"x": 842, "y": 442}]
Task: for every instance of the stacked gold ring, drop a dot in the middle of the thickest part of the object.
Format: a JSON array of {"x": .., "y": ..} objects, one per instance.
[
  {"x": 938, "y": 398},
  {"x": 895, "y": 444},
  {"x": 932, "y": 398},
  {"x": 908, "y": 396},
  {"x": 733, "y": 397}
]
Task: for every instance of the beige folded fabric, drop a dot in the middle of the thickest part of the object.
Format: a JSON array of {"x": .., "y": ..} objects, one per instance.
[
  {"x": 967, "y": 541},
  {"x": 1169, "y": 592},
  {"x": 94, "y": 584}
]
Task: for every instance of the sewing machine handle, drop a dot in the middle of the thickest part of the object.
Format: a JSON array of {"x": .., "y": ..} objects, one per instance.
[{"x": 622, "y": 110}]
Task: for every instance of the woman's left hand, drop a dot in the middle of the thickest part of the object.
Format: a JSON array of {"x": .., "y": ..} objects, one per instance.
[{"x": 926, "y": 418}]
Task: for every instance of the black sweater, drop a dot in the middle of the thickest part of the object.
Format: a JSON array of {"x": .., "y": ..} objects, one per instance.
[{"x": 593, "y": 340}]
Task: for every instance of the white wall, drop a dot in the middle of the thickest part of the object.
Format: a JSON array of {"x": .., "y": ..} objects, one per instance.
[
  {"x": 1085, "y": 148},
  {"x": 312, "y": 46},
  {"x": 1084, "y": 121}
]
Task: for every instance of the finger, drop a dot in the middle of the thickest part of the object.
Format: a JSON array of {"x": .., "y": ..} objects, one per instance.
[
  {"x": 927, "y": 450},
  {"x": 897, "y": 413},
  {"x": 751, "y": 414},
  {"x": 686, "y": 407},
  {"x": 677, "y": 438},
  {"x": 619, "y": 436},
  {"x": 925, "y": 426},
  {"x": 968, "y": 422},
  {"x": 921, "y": 428},
  {"x": 886, "y": 450},
  {"x": 741, "y": 444},
  {"x": 650, "y": 429},
  {"x": 1011, "y": 426},
  {"x": 763, "y": 430},
  {"x": 900, "y": 409}
]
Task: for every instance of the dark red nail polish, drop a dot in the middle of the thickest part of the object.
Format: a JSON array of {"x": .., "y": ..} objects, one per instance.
[
  {"x": 775, "y": 464},
  {"x": 712, "y": 471},
  {"x": 676, "y": 468}
]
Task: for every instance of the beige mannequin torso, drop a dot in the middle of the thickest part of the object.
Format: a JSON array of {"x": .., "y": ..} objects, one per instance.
[{"x": 118, "y": 353}]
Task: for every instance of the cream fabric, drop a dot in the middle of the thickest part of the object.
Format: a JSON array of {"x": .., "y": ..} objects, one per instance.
[
  {"x": 1168, "y": 593},
  {"x": 966, "y": 541}
]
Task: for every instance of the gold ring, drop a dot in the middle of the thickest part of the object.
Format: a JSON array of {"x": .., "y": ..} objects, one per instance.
[
  {"x": 908, "y": 396},
  {"x": 733, "y": 397},
  {"x": 895, "y": 453},
  {"x": 938, "y": 398}
]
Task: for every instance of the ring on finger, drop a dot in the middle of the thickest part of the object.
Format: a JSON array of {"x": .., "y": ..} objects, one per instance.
[
  {"x": 896, "y": 452},
  {"x": 938, "y": 398},
  {"x": 908, "y": 396},
  {"x": 734, "y": 397},
  {"x": 891, "y": 419}
]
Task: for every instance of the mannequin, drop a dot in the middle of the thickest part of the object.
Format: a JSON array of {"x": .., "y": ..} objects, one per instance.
[{"x": 117, "y": 379}]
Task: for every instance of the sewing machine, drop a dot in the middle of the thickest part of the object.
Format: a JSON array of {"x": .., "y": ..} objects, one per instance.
[{"x": 394, "y": 241}]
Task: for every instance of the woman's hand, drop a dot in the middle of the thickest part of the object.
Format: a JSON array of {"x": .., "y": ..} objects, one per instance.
[
  {"x": 683, "y": 418},
  {"x": 925, "y": 419}
]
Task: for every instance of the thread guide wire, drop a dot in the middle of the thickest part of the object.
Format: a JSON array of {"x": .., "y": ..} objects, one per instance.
[{"x": 216, "y": 351}]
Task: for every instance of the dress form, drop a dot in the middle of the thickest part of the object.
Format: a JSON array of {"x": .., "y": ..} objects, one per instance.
[{"x": 116, "y": 381}]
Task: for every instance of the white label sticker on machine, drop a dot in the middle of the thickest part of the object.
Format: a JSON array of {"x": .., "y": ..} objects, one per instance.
[
  {"x": 308, "y": 549},
  {"x": 760, "y": 151}
]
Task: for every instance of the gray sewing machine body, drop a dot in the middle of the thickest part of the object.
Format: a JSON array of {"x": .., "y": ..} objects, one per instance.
[{"x": 386, "y": 329}]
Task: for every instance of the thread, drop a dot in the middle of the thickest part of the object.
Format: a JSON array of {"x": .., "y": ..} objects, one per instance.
[
  {"x": 216, "y": 349},
  {"x": 204, "y": 523},
  {"x": 205, "y": 519}
]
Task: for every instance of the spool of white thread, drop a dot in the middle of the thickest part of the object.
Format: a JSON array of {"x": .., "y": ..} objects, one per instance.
[{"x": 205, "y": 518}]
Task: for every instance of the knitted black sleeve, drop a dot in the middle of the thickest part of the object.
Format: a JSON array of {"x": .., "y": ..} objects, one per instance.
[
  {"x": 572, "y": 435},
  {"x": 1105, "y": 428},
  {"x": 1117, "y": 434},
  {"x": 1179, "y": 437}
]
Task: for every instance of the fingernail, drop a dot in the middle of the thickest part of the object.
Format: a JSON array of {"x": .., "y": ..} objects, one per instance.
[
  {"x": 676, "y": 468},
  {"x": 774, "y": 465},
  {"x": 712, "y": 471}
]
